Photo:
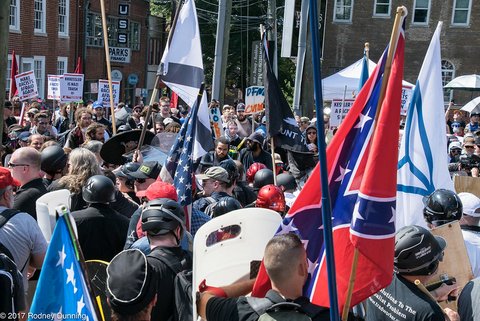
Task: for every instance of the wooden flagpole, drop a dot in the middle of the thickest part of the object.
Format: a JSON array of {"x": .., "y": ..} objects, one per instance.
[
  {"x": 107, "y": 59},
  {"x": 392, "y": 47}
]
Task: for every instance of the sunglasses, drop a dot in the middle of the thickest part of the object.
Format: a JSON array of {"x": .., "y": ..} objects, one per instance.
[
  {"x": 469, "y": 146},
  {"x": 12, "y": 165},
  {"x": 311, "y": 133}
]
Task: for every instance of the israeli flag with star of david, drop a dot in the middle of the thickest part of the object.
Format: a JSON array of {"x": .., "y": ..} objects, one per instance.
[
  {"x": 62, "y": 292},
  {"x": 422, "y": 161}
]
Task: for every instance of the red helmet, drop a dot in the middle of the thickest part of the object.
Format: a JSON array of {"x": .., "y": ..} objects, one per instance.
[
  {"x": 272, "y": 197},
  {"x": 253, "y": 169}
]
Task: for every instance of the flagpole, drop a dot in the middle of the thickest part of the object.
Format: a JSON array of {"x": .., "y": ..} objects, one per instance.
[
  {"x": 322, "y": 157},
  {"x": 149, "y": 112},
  {"x": 386, "y": 75},
  {"x": 63, "y": 210},
  {"x": 107, "y": 59},
  {"x": 272, "y": 145}
]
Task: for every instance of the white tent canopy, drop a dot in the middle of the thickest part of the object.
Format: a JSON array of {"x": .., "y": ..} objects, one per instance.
[{"x": 334, "y": 86}]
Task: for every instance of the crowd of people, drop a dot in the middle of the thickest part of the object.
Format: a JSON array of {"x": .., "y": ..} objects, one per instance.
[{"x": 128, "y": 216}]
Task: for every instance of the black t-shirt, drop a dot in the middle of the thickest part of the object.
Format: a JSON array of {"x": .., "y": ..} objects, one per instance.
[
  {"x": 165, "y": 306},
  {"x": 27, "y": 195},
  {"x": 468, "y": 307},
  {"x": 238, "y": 309},
  {"x": 402, "y": 300},
  {"x": 247, "y": 158}
]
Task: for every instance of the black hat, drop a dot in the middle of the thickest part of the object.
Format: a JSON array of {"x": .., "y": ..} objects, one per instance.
[
  {"x": 113, "y": 149},
  {"x": 147, "y": 170},
  {"x": 256, "y": 137},
  {"x": 131, "y": 282}
]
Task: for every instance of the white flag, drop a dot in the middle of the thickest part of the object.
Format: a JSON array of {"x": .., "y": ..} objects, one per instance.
[{"x": 422, "y": 162}]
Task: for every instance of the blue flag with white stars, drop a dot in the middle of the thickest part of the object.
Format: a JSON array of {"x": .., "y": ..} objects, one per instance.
[{"x": 62, "y": 292}]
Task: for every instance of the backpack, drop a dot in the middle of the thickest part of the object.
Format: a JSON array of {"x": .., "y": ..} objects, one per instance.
[
  {"x": 182, "y": 283},
  {"x": 274, "y": 308},
  {"x": 12, "y": 296}
]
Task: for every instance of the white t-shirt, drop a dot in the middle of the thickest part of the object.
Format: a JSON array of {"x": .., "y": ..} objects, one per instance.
[
  {"x": 472, "y": 243},
  {"x": 22, "y": 236}
]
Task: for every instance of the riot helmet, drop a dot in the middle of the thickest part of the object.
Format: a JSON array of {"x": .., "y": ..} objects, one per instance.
[
  {"x": 225, "y": 205},
  {"x": 263, "y": 177},
  {"x": 99, "y": 189},
  {"x": 252, "y": 170},
  {"x": 441, "y": 207},
  {"x": 53, "y": 159},
  {"x": 161, "y": 216},
  {"x": 272, "y": 197},
  {"x": 287, "y": 181}
]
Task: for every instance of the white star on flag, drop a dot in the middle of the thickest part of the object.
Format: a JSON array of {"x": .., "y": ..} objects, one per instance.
[
  {"x": 363, "y": 120},
  {"x": 343, "y": 172},
  {"x": 312, "y": 266},
  {"x": 71, "y": 278},
  {"x": 393, "y": 215},
  {"x": 287, "y": 228},
  {"x": 356, "y": 214},
  {"x": 62, "y": 257},
  {"x": 80, "y": 305}
]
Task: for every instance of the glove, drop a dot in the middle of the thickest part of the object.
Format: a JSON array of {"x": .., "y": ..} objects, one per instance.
[{"x": 203, "y": 287}]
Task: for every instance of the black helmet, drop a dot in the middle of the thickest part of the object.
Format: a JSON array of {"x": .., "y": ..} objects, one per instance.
[
  {"x": 230, "y": 166},
  {"x": 224, "y": 205},
  {"x": 161, "y": 216},
  {"x": 99, "y": 189},
  {"x": 53, "y": 159},
  {"x": 263, "y": 177},
  {"x": 441, "y": 207},
  {"x": 287, "y": 181},
  {"x": 417, "y": 251}
]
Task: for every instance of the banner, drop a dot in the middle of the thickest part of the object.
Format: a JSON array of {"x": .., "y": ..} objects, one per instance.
[
  {"x": 254, "y": 100},
  {"x": 71, "y": 87},
  {"x": 26, "y": 85},
  {"x": 104, "y": 92},
  {"x": 53, "y": 87}
]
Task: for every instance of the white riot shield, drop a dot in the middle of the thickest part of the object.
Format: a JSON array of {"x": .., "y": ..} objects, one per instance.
[{"x": 46, "y": 210}]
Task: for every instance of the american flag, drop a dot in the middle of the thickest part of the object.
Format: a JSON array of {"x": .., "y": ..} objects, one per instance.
[
  {"x": 179, "y": 164},
  {"x": 361, "y": 163},
  {"x": 62, "y": 292}
]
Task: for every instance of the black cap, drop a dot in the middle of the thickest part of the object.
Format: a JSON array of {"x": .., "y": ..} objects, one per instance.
[
  {"x": 131, "y": 282},
  {"x": 147, "y": 170}
]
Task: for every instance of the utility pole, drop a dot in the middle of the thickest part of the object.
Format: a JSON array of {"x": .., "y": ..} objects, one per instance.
[
  {"x": 221, "y": 50},
  {"x": 4, "y": 26},
  {"x": 272, "y": 32}
]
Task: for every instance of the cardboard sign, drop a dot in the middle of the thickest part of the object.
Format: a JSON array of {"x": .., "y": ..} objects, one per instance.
[
  {"x": 254, "y": 100},
  {"x": 455, "y": 260},
  {"x": 53, "y": 87},
  {"x": 467, "y": 184},
  {"x": 104, "y": 92},
  {"x": 71, "y": 87},
  {"x": 26, "y": 85},
  {"x": 216, "y": 121},
  {"x": 337, "y": 114}
]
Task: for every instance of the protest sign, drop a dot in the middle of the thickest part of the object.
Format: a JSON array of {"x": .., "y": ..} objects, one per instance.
[
  {"x": 255, "y": 96},
  {"x": 338, "y": 113},
  {"x": 104, "y": 92},
  {"x": 406, "y": 97},
  {"x": 53, "y": 87},
  {"x": 71, "y": 87},
  {"x": 216, "y": 121},
  {"x": 26, "y": 85}
]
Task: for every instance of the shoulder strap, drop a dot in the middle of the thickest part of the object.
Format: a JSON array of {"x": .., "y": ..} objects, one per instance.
[
  {"x": 259, "y": 305},
  {"x": 6, "y": 215},
  {"x": 169, "y": 260}
]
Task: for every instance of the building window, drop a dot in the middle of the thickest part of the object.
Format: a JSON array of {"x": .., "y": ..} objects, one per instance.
[
  {"x": 39, "y": 70},
  {"x": 9, "y": 73},
  {"x": 124, "y": 38},
  {"x": 154, "y": 51},
  {"x": 62, "y": 65},
  {"x": 382, "y": 8},
  {"x": 461, "y": 12},
  {"x": 448, "y": 73},
  {"x": 39, "y": 16},
  {"x": 421, "y": 12},
  {"x": 63, "y": 14},
  {"x": 14, "y": 15},
  {"x": 343, "y": 11}
]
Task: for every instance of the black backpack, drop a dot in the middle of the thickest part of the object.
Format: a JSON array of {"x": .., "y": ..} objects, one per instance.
[
  {"x": 12, "y": 295},
  {"x": 182, "y": 283}
]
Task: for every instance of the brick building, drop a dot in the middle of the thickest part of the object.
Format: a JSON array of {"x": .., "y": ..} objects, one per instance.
[
  {"x": 351, "y": 23},
  {"x": 50, "y": 38}
]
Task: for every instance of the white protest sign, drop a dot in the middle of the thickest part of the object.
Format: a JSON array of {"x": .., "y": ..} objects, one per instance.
[
  {"x": 104, "y": 92},
  {"x": 54, "y": 87},
  {"x": 71, "y": 87},
  {"x": 338, "y": 113},
  {"x": 216, "y": 121},
  {"x": 255, "y": 96},
  {"x": 407, "y": 93},
  {"x": 26, "y": 85}
]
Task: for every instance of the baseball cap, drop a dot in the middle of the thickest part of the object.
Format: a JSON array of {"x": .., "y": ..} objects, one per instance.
[
  {"x": 23, "y": 136},
  {"x": 97, "y": 104},
  {"x": 159, "y": 189},
  {"x": 241, "y": 107},
  {"x": 32, "y": 111},
  {"x": 215, "y": 172},
  {"x": 6, "y": 178},
  {"x": 278, "y": 159},
  {"x": 147, "y": 170},
  {"x": 471, "y": 204},
  {"x": 125, "y": 170},
  {"x": 131, "y": 282}
]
